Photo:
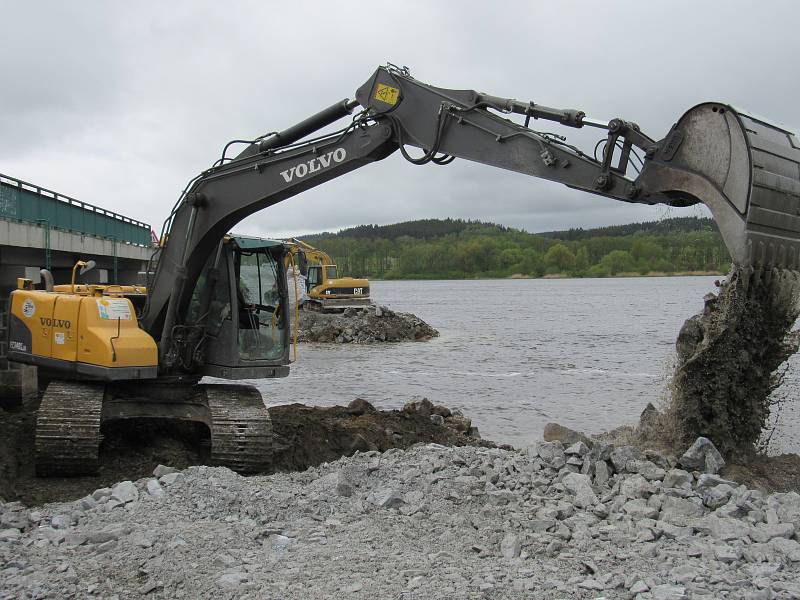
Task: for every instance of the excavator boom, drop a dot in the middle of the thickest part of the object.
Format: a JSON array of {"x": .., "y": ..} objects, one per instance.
[{"x": 746, "y": 170}]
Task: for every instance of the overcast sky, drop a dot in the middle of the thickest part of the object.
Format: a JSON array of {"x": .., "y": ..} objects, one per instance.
[{"x": 120, "y": 103}]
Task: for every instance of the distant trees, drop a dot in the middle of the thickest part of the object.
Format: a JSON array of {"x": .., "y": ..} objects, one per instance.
[{"x": 453, "y": 248}]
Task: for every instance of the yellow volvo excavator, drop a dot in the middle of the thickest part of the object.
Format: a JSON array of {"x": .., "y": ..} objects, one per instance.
[
  {"x": 326, "y": 291},
  {"x": 217, "y": 305}
]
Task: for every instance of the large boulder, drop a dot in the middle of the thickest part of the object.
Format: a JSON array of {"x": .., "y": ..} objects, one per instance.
[
  {"x": 702, "y": 456},
  {"x": 553, "y": 432}
]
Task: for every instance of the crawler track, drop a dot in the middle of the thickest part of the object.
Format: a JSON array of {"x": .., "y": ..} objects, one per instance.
[
  {"x": 241, "y": 430},
  {"x": 68, "y": 429}
]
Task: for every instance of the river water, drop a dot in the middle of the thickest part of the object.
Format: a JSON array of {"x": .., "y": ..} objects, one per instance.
[{"x": 517, "y": 354}]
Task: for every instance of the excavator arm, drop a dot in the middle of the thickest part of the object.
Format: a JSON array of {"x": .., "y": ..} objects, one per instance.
[{"x": 744, "y": 169}]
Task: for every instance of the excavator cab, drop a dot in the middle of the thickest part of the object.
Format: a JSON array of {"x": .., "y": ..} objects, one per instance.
[{"x": 241, "y": 301}]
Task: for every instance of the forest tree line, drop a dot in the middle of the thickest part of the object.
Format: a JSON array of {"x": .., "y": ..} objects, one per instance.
[{"x": 458, "y": 249}]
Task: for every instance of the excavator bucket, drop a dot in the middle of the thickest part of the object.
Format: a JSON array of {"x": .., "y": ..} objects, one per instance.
[{"x": 747, "y": 171}]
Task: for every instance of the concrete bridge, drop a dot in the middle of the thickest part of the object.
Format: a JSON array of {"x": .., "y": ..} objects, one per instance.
[{"x": 39, "y": 229}]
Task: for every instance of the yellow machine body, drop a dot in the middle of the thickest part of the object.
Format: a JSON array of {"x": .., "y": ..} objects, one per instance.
[
  {"x": 325, "y": 288},
  {"x": 89, "y": 333}
]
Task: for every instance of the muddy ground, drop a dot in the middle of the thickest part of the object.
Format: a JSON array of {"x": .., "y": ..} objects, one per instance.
[{"x": 303, "y": 437}]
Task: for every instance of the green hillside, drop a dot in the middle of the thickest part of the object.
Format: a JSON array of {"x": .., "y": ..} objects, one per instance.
[{"x": 458, "y": 249}]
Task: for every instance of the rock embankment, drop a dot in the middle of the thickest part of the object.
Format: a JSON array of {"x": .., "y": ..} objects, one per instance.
[
  {"x": 429, "y": 522},
  {"x": 363, "y": 325}
]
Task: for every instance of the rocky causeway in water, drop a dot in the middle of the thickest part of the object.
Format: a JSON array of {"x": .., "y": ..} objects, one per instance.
[{"x": 362, "y": 325}]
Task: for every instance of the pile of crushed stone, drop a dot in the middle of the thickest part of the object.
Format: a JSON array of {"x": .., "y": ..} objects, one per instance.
[
  {"x": 362, "y": 325},
  {"x": 429, "y": 522},
  {"x": 728, "y": 360}
]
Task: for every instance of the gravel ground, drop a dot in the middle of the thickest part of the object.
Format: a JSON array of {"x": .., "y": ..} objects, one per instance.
[{"x": 428, "y": 522}]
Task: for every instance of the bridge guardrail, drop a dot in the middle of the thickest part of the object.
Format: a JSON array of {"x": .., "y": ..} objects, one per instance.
[{"x": 27, "y": 202}]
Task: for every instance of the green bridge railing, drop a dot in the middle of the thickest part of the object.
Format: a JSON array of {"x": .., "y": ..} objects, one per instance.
[{"x": 22, "y": 201}]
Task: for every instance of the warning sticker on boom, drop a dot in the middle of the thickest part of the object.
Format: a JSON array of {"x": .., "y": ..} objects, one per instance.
[
  {"x": 386, "y": 93},
  {"x": 114, "y": 308}
]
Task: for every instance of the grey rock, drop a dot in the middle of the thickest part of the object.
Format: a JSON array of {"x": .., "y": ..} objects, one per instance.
[
  {"x": 622, "y": 455},
  {"x": 674, "y": 532},
  {"x": 581, "y": 488},
  {"x": 788, "y": 509},
  {"x": 601, "y": 473},
  {"x": 678, "y": 478},
  {"x": 727, "y": 554},
  {"x": 154, "y": 488},
  {"x": 717, "y": 496},
  {"x": 142, "y": 539},
  {"x": 344, "y": 487},
  {"x": 553, "y": 432},
  {"x": 101, "y": 493},
  {"x": 387, "y": 498},
  {"x": 709, "y": 480},
  {"x": 762, "y": 533},
  {"x": 125, "y": 492},
  {"x": 723, "y": 529},
  {"x": 636, "y": 486},
  {"x": 106, "y": 546},
  {"x": 75, "y": 538},
  {"x": 668, "y": 592},
  {"x": 61, "y": 522},
  {"x": 14, "y": 519},
  {"x": 789, "y": 549},
  {"x": 646, "y": 469},
  {"x": 9, "y": 535},
  {"x": 87, "y": 503},
  {"x": 683, "y": 574},
  {"x": 639, "y": 587},
  {"x": 702, "y": 455},
  {"x": 638, "y": 509},
  {"x": 510, "y": 546},
  {"x": 232, "y": 580},
  {"x": 113, "y": 532},
  {"x": 579, "y": 448},
  {"x": 552, "y": 453},
  {"x": 162, "y": 470},
  {"x": 680, "y": 511},
  {"x": 54, "y": 536},
  {"x": 172, "y": 478},
  {"x": 591, "y": 584},
  {"x": 437, "y": 420}
]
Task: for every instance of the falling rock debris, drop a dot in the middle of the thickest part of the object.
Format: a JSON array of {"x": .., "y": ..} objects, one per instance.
[{"x": 588, "y": 520}]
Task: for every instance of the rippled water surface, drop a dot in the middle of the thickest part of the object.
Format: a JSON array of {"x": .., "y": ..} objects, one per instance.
[{"x": 516, "y": 354}]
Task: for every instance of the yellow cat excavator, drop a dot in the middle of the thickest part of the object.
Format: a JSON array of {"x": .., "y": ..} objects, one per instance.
[
  {"x": 326, "y": 291},
  {"x": 107, "y": 363}
]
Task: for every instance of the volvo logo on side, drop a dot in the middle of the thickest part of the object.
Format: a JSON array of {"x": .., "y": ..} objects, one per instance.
[{"x": 315, "y": 164}]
